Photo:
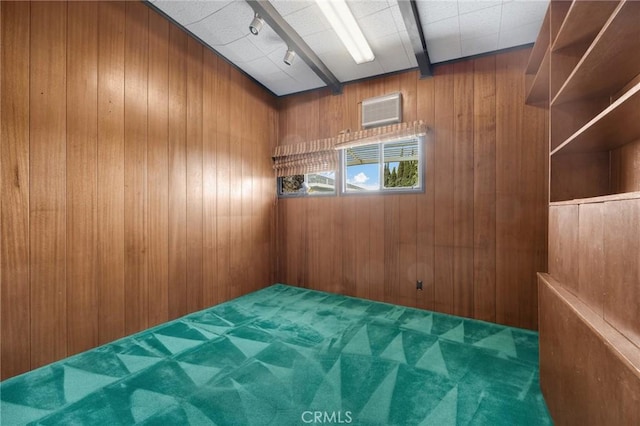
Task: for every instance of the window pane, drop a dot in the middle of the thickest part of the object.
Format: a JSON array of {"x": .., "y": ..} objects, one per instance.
[
  {"x": 324, "y": 182},
  {"x": 291, "y": 184},
  {"x": 362, "y": 168},
  {"x": 401, "y": 168}
]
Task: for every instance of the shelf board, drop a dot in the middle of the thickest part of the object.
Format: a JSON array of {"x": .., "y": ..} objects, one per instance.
[
  {"x": 583, "y": 22},
  {"x": 602, "y": 199},
  {"x": 617, "y": 125},
  {"x": 540, "y": 47},
  {"x": 610, "y": 62},
  {"x": 539, "y": 91}
]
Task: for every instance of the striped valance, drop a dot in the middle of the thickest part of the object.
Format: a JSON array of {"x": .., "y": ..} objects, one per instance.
[
  {"x": 320, "y": 155},
  {"x": 381, "y": 134},
  {"x": 308, "y": 157}
]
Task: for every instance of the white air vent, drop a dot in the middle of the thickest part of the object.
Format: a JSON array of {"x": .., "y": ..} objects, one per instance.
[{"x": 382, "y": 110}]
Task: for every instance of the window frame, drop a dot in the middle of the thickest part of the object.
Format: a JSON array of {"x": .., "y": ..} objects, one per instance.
[{"x": 385, "y": 191}]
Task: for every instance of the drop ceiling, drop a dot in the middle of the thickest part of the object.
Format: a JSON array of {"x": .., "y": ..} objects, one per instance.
[{"x": 451, "y": 29}]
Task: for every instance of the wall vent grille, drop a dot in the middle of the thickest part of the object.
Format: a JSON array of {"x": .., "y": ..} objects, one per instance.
[{"x": 382, "y": 110}]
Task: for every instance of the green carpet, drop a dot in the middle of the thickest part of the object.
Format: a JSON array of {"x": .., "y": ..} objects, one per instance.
[{"x": 291, "y": 356}]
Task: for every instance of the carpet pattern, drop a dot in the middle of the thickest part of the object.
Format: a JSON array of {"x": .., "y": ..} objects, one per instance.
[{"x": 287, "y": 356}]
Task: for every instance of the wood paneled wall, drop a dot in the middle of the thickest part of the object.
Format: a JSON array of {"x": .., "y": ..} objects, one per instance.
[
  {"x": 136, "y": 177},
  {"x": 476, "y": 237}
]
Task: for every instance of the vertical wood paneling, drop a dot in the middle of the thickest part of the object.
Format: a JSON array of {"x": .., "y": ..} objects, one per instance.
[
  {"x": 591, "y": 270},
  {"x": 349, "y": 246},
  {"x": 391, "y": 232},
  {"x": 478, "y": 192},
  {"x": 110, "y": 201},
  {"x": 622, "y": 270},
  {"x": 246, "y": 189},
  {"x": 315, "y": 244},
  {"x": 82, "y": 129},
  {"x": 264, "y": 196},
  {"x": 484, "y": 188},
  {"x": 136, "y": 67},
  {"x": 377, "y": 249},
  {"x": 223, "y": 183},
  {"x": 236, "y": 132},
  {"x": 177, "y": 173},
  {"x": 362, "y": 253},
  {"x": 563, "y": 238},
  {"x": 115, "y": 165},
  {"x": 425, "y": 205},
  {"x": 14, "y": 188},
  {"x": 463, "y": 166},
  {"x": 158, "y": 169},
  {"x": 194, "y": 176},
  {"x": 407, "y": 260},
  {"x": 47, "y": 167},
  {"x": 509, "y": 209},
  {"x": 209, "y": 180},
  {"x": 444, "y": 133}
]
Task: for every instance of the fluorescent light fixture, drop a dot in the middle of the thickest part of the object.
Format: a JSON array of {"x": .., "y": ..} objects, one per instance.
[{"x": 344, "y": 24}]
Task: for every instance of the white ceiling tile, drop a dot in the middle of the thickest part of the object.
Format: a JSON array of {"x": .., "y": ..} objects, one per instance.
[
  {"x": 324, "y": 41},
  {"x": 391, "y": 58},
  {"x": 480, "y": 22},
  {"x": 478, "y": 45},
  {"x": 443, "y": 39},
  {"x": 433, "y": 10},
  {"x": 362, "y": 8},
  {"x": 226, "y": 25},
  {"x": 286, "y": 7},
  {"x": 444, "y": 49},
  {"x": 378, "y": 25},
  {"x": 309, "y": 80},
  {"x": 307, "y": 21},
  {"x": 466, "y": 6},
  {"x": 241, "y": 50},
  {"x": 441, "y": 29},
  {"x": 519, "y": 36},
  {"x": 287, "y": 86},
  {"x": 187, "y": 12},
  {"x": 260, "y": 66}
]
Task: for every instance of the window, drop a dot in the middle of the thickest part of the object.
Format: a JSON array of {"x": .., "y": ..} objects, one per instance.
[
  {"x": 383, "y": 167},
  {"x": 311, "y": 184}
]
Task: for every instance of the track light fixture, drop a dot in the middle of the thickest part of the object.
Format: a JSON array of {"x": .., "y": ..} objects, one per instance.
[
  {"x": 256, "y": 24},
  {"x": 289, "y": 56}
]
